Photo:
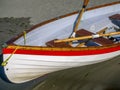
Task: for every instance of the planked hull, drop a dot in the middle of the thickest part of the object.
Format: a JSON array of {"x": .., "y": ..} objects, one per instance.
[{"x": 24, "y": 66}]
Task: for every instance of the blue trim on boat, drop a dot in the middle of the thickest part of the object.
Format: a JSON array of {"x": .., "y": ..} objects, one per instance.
[{"x": 2, "y": 71}]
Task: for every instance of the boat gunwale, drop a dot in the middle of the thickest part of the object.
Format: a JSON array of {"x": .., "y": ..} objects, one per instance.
[
  {"x": 11, "y": 45},
  {"x": 22, "y": 47}
]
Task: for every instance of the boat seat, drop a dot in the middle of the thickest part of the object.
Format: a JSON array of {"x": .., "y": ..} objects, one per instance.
[
  {"x": 100, "y": 40},
  {"x": 103, "y": 41},
  {"x": 83, "y": 32},
  {"x": 115, "y": 16},
  {"x": 61, "y": 44},
  {"x": 115, "y": 19}
]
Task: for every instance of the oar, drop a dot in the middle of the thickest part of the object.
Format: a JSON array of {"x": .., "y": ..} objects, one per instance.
[
  {"x": 101, "y": 31},
  {"x": 77, "y": 22},
  {"x": 87, "y": 37}
]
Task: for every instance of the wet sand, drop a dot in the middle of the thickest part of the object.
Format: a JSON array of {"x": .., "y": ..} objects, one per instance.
[{"x": 20, "y": 15}]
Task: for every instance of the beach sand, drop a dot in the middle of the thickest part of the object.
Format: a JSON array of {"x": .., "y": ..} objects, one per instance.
[
  {"x": 41, "y": 10},
  {"x": 19, "y": 15}
]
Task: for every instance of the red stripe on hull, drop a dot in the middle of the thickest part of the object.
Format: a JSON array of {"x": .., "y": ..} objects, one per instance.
[{"x": 62, "y": 53}]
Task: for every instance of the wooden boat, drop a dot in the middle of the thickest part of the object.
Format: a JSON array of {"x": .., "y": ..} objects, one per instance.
[{"x": 49, "y": 46}]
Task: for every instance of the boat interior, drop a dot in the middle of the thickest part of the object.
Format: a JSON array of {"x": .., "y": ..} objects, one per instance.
[
  {"x": 101, "y": 41},
  {"x": 99, "y": 21}
]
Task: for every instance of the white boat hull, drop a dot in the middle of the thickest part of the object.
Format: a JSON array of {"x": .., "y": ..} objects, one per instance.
[{"x": 22, "y": 68}]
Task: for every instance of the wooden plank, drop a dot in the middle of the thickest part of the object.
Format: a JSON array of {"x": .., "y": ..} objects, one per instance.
[
  {"x": 61, "y": 44},
  {"x": 100, "y": 40},
  {"x": 115, "y": 16}
]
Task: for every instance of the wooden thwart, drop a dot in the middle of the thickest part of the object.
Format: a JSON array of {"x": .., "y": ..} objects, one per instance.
[
  {"x": 83, "y": 32},
  {"x": 100, "y": 40},
  {"x": 115, "y": 16},
  {"x": 115, "y": 19},
  {"x": 61, "y": 44},
  {"x": 103, "y": 41}
]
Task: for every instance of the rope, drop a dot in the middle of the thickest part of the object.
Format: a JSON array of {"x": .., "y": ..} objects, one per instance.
[{"x": 6, "y": 61}]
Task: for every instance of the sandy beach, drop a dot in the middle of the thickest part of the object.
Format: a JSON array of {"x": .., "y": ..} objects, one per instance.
[
  {"x": 41, "y": 10},
  {"x": 19, "y": 15}
]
